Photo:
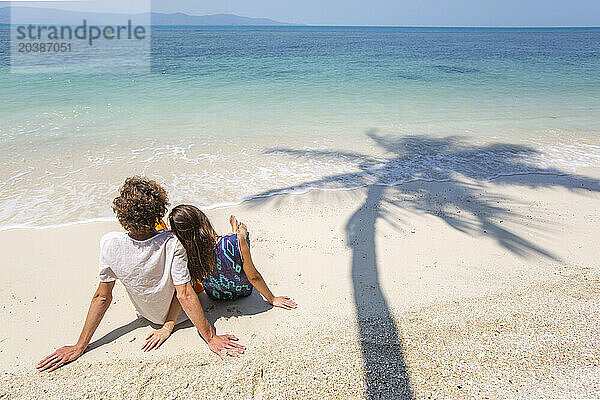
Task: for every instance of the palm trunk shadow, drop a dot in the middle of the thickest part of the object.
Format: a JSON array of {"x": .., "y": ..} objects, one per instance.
[{"x": 386, "y": 373}]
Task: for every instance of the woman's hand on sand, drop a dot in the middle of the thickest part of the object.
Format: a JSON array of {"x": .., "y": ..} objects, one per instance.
[
  {"x": 284, "y": 302},
  {"x": 156, "y": 338},
  {"x": 59, "y": 358},
  {"x": 225, "y": 342}
]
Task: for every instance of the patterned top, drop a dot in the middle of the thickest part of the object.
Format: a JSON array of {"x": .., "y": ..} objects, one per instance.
[{"x": 228, "y": 280}]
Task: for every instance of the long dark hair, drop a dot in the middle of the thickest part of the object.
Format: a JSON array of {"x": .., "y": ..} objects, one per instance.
[{"x": 195, "y": 232}]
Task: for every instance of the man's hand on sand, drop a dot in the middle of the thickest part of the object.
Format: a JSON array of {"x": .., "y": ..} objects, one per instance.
[
  {"x": 59, "y": 358},
  {"x": 225, "y": 342},
  {"x": 284, "y": 302}
]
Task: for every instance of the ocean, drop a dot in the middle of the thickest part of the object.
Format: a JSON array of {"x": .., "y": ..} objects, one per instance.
[{"x": 231, "y": 113}]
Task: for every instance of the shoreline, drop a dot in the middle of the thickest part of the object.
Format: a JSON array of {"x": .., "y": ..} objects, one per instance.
[
  {"x": 443, "y": 289},
  {"x": 81, "y": 188},
  {"x": 284, "y": 192}
]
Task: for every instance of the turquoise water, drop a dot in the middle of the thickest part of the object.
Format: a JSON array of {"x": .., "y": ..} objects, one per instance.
[{"x": 231, "y": 112}]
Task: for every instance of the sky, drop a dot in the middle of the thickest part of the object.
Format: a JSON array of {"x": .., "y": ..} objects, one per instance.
[{"x": 366, "y": 12}]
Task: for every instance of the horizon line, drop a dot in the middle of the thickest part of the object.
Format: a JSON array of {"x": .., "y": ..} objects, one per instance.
[
  {"x": 301, "y": 25},
  {"x": 296, "y": 24}
]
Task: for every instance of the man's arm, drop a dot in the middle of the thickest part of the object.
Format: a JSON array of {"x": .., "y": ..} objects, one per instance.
[
  {"x": 191, "y": 304},
  {"x": 100, "y": 303}
]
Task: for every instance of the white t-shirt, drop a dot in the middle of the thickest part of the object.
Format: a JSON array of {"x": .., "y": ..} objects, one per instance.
[{"x": 148, "y": 269}]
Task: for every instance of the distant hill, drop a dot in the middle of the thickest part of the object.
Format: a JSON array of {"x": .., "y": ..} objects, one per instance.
[
  {"x": 215, "y": 19},
  {"x": 35, "y": 15}
]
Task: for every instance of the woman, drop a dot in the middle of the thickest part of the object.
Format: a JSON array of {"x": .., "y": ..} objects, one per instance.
[{"x": 220, "y": 265}]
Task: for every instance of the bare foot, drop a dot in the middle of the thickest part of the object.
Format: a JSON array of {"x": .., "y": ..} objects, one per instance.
[{"x": 234, "y": 223}]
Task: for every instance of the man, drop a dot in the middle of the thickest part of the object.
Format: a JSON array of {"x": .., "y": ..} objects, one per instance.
[{"x": 151, "y": 265}]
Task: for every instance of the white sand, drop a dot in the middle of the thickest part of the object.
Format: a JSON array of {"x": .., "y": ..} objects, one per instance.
[{"x": 475, "y": 290}]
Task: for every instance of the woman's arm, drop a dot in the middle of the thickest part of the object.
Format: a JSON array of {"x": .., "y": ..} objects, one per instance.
[
  {"x": 156, "y": 338},
  {"x": 255, "y": 277}
]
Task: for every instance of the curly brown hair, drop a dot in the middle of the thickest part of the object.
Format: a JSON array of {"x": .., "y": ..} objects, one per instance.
[{"x": 140, "y": 203}]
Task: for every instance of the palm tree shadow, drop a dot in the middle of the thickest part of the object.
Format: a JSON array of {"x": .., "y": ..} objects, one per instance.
[{"x": 464, "y": 168}]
